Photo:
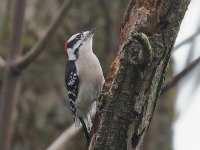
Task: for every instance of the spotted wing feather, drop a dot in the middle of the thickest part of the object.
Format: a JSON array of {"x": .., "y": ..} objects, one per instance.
[{"x": 72, "y": 82}]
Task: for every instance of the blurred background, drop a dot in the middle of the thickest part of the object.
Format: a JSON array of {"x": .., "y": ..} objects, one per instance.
[{"x": 43, "y": 112}]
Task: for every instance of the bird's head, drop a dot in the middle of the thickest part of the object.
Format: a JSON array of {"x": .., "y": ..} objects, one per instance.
[{"x": 79, "y": 44}]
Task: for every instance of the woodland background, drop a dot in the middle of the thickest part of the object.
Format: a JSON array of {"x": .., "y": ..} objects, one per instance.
[{"x": 43, "y": 112}]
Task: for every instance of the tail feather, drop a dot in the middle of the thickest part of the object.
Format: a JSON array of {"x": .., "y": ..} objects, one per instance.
[{"x": 85, "y": 130}]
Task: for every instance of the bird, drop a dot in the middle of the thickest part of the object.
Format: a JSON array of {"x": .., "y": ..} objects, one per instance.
[{"x": 84, "y": 78}]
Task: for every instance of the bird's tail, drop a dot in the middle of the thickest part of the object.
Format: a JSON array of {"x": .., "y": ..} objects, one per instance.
[{"x": 86, "y": 130}]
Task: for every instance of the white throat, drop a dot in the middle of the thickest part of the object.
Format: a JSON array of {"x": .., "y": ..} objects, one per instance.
[{"x": 86, "y": 47}]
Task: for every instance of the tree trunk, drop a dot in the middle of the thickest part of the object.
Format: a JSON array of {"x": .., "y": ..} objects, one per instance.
[{"x": 125, "y": 112}]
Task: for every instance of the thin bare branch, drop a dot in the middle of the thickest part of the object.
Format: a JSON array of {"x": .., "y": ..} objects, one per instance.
[
  {"x": 2, "y": 63},
  {"x": 179, "y": 76},
  {"x": 189, "y": 39},
  {"x": 60, "y": 142},
  {"x": 66, "y": 136},
  {"x": 35, "y": 51}
]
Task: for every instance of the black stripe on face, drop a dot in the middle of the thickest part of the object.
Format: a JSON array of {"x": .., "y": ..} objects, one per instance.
[
  {"x": 76, "y": 52},
  {"x": 72, "y": 43}
]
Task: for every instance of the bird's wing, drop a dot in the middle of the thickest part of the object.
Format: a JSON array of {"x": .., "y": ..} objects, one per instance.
[{"x": 72, "y": 83}]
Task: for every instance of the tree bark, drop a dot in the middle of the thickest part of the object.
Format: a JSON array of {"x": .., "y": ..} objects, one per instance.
[{"x": 126, "y": 111}]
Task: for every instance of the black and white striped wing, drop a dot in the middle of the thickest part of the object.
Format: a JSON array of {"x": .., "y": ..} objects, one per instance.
[{"x": 72, "y": 83}]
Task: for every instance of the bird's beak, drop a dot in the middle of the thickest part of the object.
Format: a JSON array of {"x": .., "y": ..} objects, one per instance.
[{"x": 91, "y": 32}]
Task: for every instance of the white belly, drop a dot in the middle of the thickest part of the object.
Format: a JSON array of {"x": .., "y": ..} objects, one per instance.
[{"x": 90, "y": 83}]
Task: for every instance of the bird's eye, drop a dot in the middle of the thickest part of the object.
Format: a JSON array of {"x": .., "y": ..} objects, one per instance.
[{"x": 78, "y": 36}]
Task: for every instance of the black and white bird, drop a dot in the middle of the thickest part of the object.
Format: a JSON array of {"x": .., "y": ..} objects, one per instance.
[{"x": 83, "y": 78}]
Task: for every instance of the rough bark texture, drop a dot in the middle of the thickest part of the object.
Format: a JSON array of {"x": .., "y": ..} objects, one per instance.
[{"x": 126, "y": 111}]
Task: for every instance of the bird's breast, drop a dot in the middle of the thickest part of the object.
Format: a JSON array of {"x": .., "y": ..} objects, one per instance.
[{"x": 90, "y": 73}]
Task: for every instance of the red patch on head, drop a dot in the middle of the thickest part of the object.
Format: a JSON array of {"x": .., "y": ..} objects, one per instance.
[{"x": 66, "y": 44}]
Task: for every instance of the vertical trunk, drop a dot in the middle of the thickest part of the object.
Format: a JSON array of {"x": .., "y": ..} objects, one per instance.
[
  {"x": 11, "y": 78},
  {"x": 125, "y": 113}
]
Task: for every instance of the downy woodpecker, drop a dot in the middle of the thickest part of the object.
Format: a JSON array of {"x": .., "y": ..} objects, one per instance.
[{"x": 83, "y": 78}]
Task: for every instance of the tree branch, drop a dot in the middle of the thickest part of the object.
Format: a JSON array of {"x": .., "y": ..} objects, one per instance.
[
  {"x": 189, "y": 39},
  {"x": 2, "y": 63},
  {"x": 35, "y": 51},
  {"x": 68, "y": 134},
  {"x": 179, "y": 76}
]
